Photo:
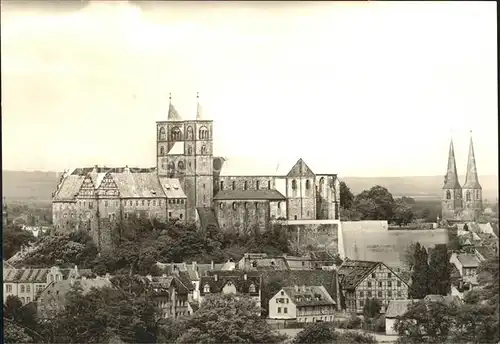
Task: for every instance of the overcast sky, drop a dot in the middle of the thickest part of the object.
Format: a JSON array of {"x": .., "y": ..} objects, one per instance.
[{"x": 375, "y": 89}]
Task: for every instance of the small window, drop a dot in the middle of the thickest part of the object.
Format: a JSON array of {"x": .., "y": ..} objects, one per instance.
[
  {"x": 149, "y": 203},
  {"x": 269, "y": 185},
  {"x": 389, "y": 284},
  {"x": 222, "y": 185},
  {"x": 234, "y": 205},
  {"x": 389, "y": 275},
  {"x": 162, "y": 151},
  {"x": 294, "y": 184},
  {"x": 389, "y": 293},
  {"x": 246, "y": 205},
  {"x": 180, "y": 216},
  {"x": 369, "y": 294},
  {"x": 279, "y": 309},
  {"x": 399, "y": 293},
  {"x": 256, "y": 205},
  {"x": 285, "y": 310},
  {"x": 362, "y": 303},
  {"x": 245, "y": 185},
  {"x": 374, "y": 276},
  {"x": 28, "y": 288},
  {"x": 257, "y": 185},
  {"x": 361, "y": 294},
  {"x": 379, "y": 294},
  {"x": 169, "y": 214},
  {"x": 136, "y": 203},
  {"x": 142, "y": 202},
  {"x": 282, "y": 293},
  {"x": 22, "y": 288},
  {"x": 380, "y": 284},
  {"x": 28, "y": 300},
  {"x": 154, "y": 203},
  {"x": 279, "y": 205},
  {"x": 105, "y": 203},
  {"x": 206, "y": 288},
  {"x": 308, "y": 184},
  {"x": 234, "y": 185},
  {"x": 159, "y": 203}
]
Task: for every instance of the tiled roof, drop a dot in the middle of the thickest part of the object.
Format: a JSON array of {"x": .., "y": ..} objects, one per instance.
[
  {"x": 69, "y": 188},
  {"x": 266, "y": 263},
  {"x": 468, "y": 260},
  {"x": 61, "y": 288},
  {"x": 203, "y": 269},
  {"x": 219, "y": 279},
  {"x": 164, "y": 282},
  {"x": 30, "y": 275},
  {"x": 352, "y": 272},
  {"x": 321, "y": 256},
  {"x": 7, "y": 265},
  {"x": 487, "y": 252},
  {"x": 309, "y": 296},
  {"x": 138, "y": 185},
  {"x": 172, "y": 187},
  {"x": 397, "y": 308},
  {"x": 271, "y": 195},
  {"x": 178, "y": 270}
]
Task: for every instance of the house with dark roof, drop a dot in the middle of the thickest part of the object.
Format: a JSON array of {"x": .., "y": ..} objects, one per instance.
[
  {"x": 53, "y": 297},
  {"x": 467, "y": 264},
  {"x": 27, "y": 283},
  {"x": 304, "y": 304},
  {"x": 361, "y": 280},
  {"x": 170, "y": 294},
  {"x": 231, "y": 282},
  {"x": 262, "y": 261}
]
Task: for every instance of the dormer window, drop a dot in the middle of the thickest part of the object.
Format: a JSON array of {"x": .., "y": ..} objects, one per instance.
[
  {"x": 251, "y": 289},
  {"x": 206, "y": 288}
]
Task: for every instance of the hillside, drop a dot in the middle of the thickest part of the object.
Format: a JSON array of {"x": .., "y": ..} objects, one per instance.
[{"x": 38, "y": 186}]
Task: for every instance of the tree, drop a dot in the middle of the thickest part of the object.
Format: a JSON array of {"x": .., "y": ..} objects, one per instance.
[
  {"x": 316, "y": 333},
  {"x": 367, "y": 209},
  {"x": 346, "y": 196},
  {"x": 439, "y": 279},
  {"x": 14, "y": 334},
  {"x": 226, "y": 319},
  {"x": 420, "y": 273},
  {"x": 382, "y": 200},
  {"x": 402, "y": 213},
  {"x": 13, "y": 239},
  {"x": 408, "y": 200},
  {"x": 372, "y": 308},
  {"x": 425, "y": 322},
  {"x": 476, "y": 323},
  {"x": 409, "y": 255}
]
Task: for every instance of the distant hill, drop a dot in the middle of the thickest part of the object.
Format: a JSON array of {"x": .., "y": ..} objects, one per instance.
[{"x": 38, "y": 186}]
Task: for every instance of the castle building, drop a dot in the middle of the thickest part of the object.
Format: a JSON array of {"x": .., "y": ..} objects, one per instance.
[
  {"x": 461, "y": 203},
  {"x": 191, "y": 185}
]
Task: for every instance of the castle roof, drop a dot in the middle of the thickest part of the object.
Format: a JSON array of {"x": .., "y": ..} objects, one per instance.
[
  {"x": 471, "y": 178},
  {"x": 451, "y": 177},
  {"x": 172, "y": 187},
  {"x": 173, "y": 115},
  {"x": 138, "y": 185},
  {"x": 270, "y": 195},
  {"x": 219, "y": 279},
  {"x": 69, "y": 188}
]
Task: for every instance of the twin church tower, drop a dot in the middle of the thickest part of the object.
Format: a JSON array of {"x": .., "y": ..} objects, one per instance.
[{"x": 462, "y": 203}]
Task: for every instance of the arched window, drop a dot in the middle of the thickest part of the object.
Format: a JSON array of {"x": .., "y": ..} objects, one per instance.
[
  {"x": 234, "y": 205},
  {"x": 222, "y": 185},
  {"x": 162, "y": 151},
  {"x": 257, "y": 185},
  {"x": 478, "y": 196},
  {"x": 221, "y": 206},
  {"x": 190, "y": 150},
  {"x": 206, "y": 288},
  {"x": 467, "y": 196},
  {"x": 203, "y": 150},
  {"x": 279, "y": 205},
  {"x": 161, "y": 134},
  {"x": 245, "y": 185},
  {"x": 176, "y": 134},
  {"x": 234, "y": 185},
  {"x": 448, "y": 194},
  {"x": 269, "y": 185},
  {"x": 254, "y": 264},
  {"x": 180, "y": 164},
  {"x": 256, "y": 205},
  {"x": 203, "y": 133},
  {"x": 294, "y": 184},
  {"x": 251, "y": 288},
  {"x": 308, "y": 184},
  {"x": 246, "y": 205},
  {"x": 189, "y": 133}
]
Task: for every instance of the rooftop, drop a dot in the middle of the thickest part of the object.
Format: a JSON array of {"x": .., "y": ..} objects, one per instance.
[
  {"x": 468, "y": 260},
  {"x": 352, "y": 272},
  {"x": 309, "y": 296},
  {"x": 397, "y": 308},
  {"x": 271, "y": 195}
]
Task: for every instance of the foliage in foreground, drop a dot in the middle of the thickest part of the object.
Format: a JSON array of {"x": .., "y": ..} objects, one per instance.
[
  {"x": 222, "y": 319},
  {"x": 324, "y": 333}
]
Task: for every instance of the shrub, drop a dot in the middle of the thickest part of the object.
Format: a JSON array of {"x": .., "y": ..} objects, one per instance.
[
  {"x": 354, "y": 322},
  {"x": 356, "y": 337}
]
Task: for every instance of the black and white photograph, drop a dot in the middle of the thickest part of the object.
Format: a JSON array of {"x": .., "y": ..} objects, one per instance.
[{"x": 269, "y": 172}]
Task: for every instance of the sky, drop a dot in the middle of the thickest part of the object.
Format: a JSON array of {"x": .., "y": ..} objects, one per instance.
[{"x": 370, "y": 88}]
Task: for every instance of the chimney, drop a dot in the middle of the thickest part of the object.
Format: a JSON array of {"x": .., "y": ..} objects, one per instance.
[
  {"x": 212, "y": 265},
  {"x": 245, "y": 277},
  {"x": 216, "y": 278}
]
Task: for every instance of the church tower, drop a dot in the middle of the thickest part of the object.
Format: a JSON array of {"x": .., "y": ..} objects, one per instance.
[
  {"x": 198, "y": 154},
  {"x": 452, "y": 192},
  {"x": 472, "y": 190}
]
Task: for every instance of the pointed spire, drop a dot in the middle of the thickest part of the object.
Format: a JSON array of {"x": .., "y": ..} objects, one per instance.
[
  {"x": 471, "y": 178},
  {"x": 173, "y": 115},
  {"x": 451, "y": 177},
  {"x": 199, "y": 109}
]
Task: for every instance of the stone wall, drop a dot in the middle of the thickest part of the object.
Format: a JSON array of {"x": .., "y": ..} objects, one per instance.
[{"x": 242, "y": 216}]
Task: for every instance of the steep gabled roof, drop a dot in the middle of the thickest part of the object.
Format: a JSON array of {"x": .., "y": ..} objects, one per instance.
[
  {"x": 218, "y": 280},
  {"x": 300, "y": 169},
  {"x": 471, "y": 178},
  {"x": 352, "y": 272},
  {"x": 69, "y": 188},
  {"x": 138, "y": 185},
  {"x": 397, "y": 308}
]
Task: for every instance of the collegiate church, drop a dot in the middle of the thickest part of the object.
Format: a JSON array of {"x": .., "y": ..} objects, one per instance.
[
  {"x": 461, "y": 203},
  {"x": 190, "y": 184}
]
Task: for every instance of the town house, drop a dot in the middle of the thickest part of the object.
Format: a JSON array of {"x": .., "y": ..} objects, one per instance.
[
  {"x": 303, "y": 304},
  {"x": 466, "y": 264},
  {"x": 361, "y": 280}
]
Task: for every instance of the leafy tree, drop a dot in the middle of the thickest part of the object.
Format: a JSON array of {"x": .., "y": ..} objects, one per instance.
[
  {"x": 408, "y": 200},
  {"x": 420, "y": 273},
  {"x": 226, "y": 319},
  {"x": 425, "y": 322},
  {"x": 476, "y": 323},
  {"x": 372, "y": 308},
  {"x": 402, "y": 213},
  {"x": 14, "y": 334},
  {"x": 316, "y": 333},
  {"x": 13, "y": 239},
  {"x": 356, "y": 337},
  {"x": 346, "y": 196},
  {"x": 376, "y": 203},
  {"x": 409, "y": 255},
  {"x": 25, "y": 316},
  {"x": 439, "y": 278}
]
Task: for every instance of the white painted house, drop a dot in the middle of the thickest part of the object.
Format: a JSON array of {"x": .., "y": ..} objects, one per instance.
[{"x": 466, "y": 264}]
